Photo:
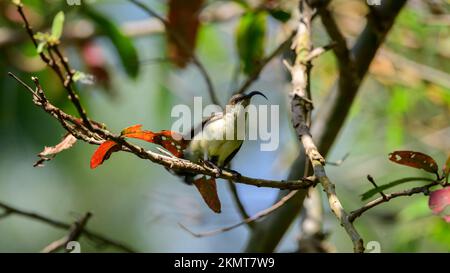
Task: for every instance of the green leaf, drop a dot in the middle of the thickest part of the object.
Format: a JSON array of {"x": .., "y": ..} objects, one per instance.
[
  {"x": 40, "y": 47},
  {"x": 123, "y": 44},
  {"x": 41, "y": 36},
  {"x": 250, "y": 37},
  {"x": 394, "y": 183},
  {"x": 57, "y": 26},
  {"x": 280, "y": 15}
]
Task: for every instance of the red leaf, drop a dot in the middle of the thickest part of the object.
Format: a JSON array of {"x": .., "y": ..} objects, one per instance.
[
  {"x": 172, "y": 141},
  {"x": 439, "y": 203},
  {"x": 208, "y": 191},
  {"x": 414, "y": 159},
  {"x": 184, "y": 21},
  {"x": 103, "y": 152}
]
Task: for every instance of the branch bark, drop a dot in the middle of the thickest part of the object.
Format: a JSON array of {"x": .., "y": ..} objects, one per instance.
[
  {"x": 326, "y": 125},
  {"x": 10, "y": 210},
  {"x": 75, "y": 231}
]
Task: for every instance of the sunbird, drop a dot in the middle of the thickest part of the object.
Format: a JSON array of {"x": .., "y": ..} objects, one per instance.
[
  {"x": 210, "y": 143},
  {"x": 216, "y": 141}
]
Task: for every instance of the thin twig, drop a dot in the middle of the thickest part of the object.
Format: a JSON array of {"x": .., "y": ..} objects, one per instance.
[
  {"x": 52, "y": 63},
  {"x": 339, "y": 162},
  {"x": 62, "y": 225},
  {"x": 238, "y": 202},
  {"x": 254, "y": 218},
  {"x": 167, "y": 161},
  {"x": 372, "y": 181},
  {"x": 380, "y": 200},
  {"x": 183, "y": 46},
  {"x": 75, "y": 232},
  {"x": 175, "y": 163}
]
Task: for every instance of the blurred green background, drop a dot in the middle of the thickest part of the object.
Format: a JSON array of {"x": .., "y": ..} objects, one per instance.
[{"x": 404, "y": 103}]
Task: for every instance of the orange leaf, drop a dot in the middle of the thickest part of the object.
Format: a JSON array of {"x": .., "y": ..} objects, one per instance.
[
  {"x": 132, "y": 129},
  {"x": 414, "y": 159},
  {"x": 143, "y": 135},
  {"x": 171, "y": 141},
  {"x": 184, "y": 20},
  {"x": 208, "y": 191},
  {"x": 103, "y": 152}
]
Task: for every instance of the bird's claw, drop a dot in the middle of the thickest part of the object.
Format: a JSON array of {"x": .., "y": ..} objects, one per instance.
[{"x": 212, "y": 167}]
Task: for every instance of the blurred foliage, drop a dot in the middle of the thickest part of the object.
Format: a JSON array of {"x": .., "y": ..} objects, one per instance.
[{"x": 404, "y": 102}]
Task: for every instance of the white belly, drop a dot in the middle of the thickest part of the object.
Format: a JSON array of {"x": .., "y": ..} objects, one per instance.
[{"x": 214, "y": 143}]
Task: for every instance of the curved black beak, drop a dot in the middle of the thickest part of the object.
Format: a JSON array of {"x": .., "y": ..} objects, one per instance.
[{"x": 253, "y": 93}]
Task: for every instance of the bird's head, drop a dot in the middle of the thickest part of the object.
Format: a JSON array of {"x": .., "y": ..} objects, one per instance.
[{"x": 244, "y": 99}]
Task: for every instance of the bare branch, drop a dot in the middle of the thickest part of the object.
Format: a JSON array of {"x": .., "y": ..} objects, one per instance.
[
  {"x": 52, "y": 63},
  {"x": 383, "y": 199},
  {"x": 326, "y": 125},
  {"x": 238, "y": 202},
  {"x": 9, "y": 210},
  {"x": 252, "y": 219},
  {"x": 75, "y": 231},
  {"x": 301, "y": 107},
  {"x": 101, "y": 134}
]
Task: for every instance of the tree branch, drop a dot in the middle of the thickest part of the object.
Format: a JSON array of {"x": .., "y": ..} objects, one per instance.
[
  {"x": 326, "y": 126},
  {"x": 75, "y": 231},
  {"x": 101, "y": 134},
  {"x": 301, "y": 107},
  {"x": 182, "y": 44},
  {"x": 9, "y": 210},
  {"x": 249, "y": 220},
  {"x": 67, "y": 82},
  {"x": 387, "y": 197},
  {"x": 237, "y": 201}
]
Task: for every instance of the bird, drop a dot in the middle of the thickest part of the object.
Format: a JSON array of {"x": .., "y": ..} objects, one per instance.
[
  {"x": 210, "y": 145},
  {"x": 209, "y": 142}
]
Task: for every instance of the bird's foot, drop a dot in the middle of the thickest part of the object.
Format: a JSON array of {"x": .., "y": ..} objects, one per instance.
[{"x": 211, "y": 167}]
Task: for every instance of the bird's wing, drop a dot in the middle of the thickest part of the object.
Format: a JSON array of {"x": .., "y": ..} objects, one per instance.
[
  {"x": 228, "y": 159},
  {"x": 196, "y": 129}
]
